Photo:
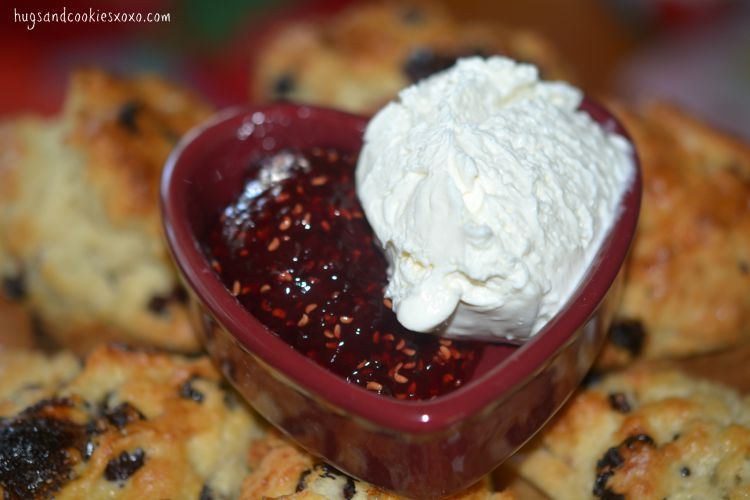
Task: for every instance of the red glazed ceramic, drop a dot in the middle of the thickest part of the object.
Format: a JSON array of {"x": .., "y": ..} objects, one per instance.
[{"x": 419, "y": 449}]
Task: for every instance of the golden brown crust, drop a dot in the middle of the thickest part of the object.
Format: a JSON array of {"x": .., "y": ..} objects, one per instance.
[
  {"x": 281, "y": 470},
  {"x": 29, "y": 376},
  {"x": 728, "y": 367},
  {"x": 360, "y": 58},
  {"x": 644, "y": 434},
  {"x": 127, "y": 127},
  {"x": 134, "y": 424},
  {"x": 277, "y": 466},
  {"x": 79, "y": 215},
  {"x": 688, "y": 281},
  {"x": 126, "y": 424}
]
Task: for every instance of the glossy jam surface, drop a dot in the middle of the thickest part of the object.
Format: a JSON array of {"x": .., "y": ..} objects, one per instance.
[{"x": 297, "y": 252}]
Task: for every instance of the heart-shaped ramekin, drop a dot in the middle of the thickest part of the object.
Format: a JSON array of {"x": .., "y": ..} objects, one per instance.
[{"x": 420, "y": 449}]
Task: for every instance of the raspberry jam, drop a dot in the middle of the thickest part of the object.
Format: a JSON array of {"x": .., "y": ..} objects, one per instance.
[{"x": 298, "y": 253}]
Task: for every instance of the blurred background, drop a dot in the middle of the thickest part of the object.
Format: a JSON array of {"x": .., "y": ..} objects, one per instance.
[{"x": 692, "y": 52}]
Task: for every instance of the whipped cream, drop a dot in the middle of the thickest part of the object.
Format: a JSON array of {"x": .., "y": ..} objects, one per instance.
[{"x": 490, "y": 193}]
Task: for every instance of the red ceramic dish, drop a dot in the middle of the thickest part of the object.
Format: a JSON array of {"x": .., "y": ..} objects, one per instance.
[{"x": 415, "y": 448}]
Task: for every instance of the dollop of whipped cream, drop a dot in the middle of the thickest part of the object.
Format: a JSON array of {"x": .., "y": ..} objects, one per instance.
[{"x": 490, "y": 193}]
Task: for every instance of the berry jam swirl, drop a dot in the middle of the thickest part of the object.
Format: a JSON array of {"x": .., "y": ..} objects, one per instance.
[{"x": 296, "y": 251}]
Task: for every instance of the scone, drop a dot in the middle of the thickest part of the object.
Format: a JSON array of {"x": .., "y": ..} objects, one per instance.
[
  {"x": 80, "y": 234},
  {"x": 281, "y": 470},
  {"x": 358, "y": 59},
  {"x": 645, "y": 435},
  {"x": 145, "y": 424},
  {"x": 687, "y": 288},
  {"x": 126, "y": 424}
]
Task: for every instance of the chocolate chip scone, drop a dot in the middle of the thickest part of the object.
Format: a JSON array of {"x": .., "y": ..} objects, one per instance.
[
  {"x": 359, "y": 58},
  {"x": 687, "y": 288},
  {"x": 126, "y": 424},
  {"x": 80, "y": 236},
  {"x": 281, "y": 470},
  {"x": 645, "y": 434}
]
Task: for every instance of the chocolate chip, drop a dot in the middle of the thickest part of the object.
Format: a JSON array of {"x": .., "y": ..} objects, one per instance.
[
  {"x": 350, "y": 488},
  {"x": 124, "y": 414},
  {"x": 96, "y": 426},
  {"x": 124, "y": 465},
  {"x": 126, "y": 116},
  {"x": 158, "y": 304},
  {"x": 592, "y": 378},
  {"x": 685, "y": 471},
  {"x": 103, "y": 404},
  {"x": 600, "y": 489},
  {"x": 611, "y": 459},
  {"x": 179, "y": 294},
  {"x": 14, "y": 287},
  {"x": 327, "y": 471},
  {"x": 628, "y": 334},
  {"x": 619, "y": 402},
  {"x": 301, "y": 481},
  {"x": 187, "y": 391},
  {"x": 639, "y": 438},
  {"x": 206, "y": 493},
  {"x": 423, "y": 62},
  {"x": 284, "y": 85}
]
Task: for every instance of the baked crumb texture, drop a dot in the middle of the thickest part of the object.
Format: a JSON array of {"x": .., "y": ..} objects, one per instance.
[
  {"x": 281, "y": 470},
  {"x": 359, "y": 58},
  {"x": 145, "y": 424},
  {"x": 645, "y": 434},
  {"x": 125, "y": 424},
  {"x": 687, "y": 288},
  {"x": 80, "y": 230}
]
